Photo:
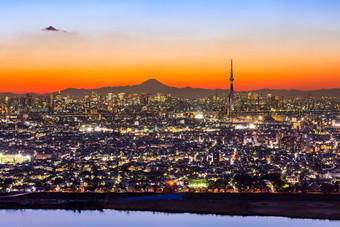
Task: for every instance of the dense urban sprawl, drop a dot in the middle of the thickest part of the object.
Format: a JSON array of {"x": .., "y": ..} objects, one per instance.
[{"x": 159, "y": 143}]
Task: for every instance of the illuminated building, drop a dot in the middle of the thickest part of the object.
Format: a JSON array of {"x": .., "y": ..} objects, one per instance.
[
  {"x": 14, "y": 159},
  {"x": 198, "y": 183}
]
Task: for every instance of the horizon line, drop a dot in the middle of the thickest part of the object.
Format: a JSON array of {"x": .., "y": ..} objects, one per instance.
[{"x": 44, "y": 93}]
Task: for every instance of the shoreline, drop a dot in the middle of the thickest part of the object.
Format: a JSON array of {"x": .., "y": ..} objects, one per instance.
[{"x": 312, "y": 206}]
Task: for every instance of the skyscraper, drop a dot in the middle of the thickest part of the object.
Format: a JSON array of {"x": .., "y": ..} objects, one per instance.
[{"x": 231, "y": 94}]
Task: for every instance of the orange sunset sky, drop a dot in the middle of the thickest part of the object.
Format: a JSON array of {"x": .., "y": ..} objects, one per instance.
[{"x": 277, "y": 45}]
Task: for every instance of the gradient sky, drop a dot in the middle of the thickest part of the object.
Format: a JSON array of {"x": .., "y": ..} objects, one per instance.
[{"x": 282, "y": 44}]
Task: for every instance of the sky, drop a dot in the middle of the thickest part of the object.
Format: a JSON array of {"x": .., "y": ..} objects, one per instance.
[{"x": 277, "y": 44}]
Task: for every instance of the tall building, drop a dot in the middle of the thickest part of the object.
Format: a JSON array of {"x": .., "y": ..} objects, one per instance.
[{"x": 231, "y": 94}]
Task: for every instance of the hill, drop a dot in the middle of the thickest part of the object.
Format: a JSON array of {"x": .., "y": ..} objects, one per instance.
[{"x": 153, "y": 86}]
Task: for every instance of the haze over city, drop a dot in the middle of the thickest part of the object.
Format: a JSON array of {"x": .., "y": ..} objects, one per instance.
[{"x": 91, "y": 44}]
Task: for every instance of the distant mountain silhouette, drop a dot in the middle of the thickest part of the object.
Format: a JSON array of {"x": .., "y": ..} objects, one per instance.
[
  {"x": 152, "y": 83},
  {"x": 153, "y": 86}
]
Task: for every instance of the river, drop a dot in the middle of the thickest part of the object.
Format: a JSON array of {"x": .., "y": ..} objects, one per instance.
[{"x": 65, "y": 218}]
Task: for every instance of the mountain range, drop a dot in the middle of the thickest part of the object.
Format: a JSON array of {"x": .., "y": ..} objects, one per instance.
[{"x": 153, "y": 86}]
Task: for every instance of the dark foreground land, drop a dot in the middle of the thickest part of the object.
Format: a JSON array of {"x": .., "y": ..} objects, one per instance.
[{"x": 321, "y": 206}]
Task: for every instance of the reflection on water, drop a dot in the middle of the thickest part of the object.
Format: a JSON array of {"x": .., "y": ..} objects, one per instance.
[{"x": 64, "y": 218}]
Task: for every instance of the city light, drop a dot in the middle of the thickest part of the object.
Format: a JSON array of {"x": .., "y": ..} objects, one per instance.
[
  {"x": 247, "y": 126},
  {"x": 132, "y": 142},
  {"x": 217, "y": 112},
  {"x": 199, "y": 116}
]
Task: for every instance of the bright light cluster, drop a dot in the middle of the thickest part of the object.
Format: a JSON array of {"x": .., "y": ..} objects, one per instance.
[
  {"x": 248, "y": 126},
  {"x": 94, "y": 129},
  {"x": 199, "y": 116},
  {"x": 14, "y": 158},
  {"x": 202, "y": 185}
]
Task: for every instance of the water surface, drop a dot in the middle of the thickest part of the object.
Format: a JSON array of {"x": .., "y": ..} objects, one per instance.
[{"x": 64, "y": 218}]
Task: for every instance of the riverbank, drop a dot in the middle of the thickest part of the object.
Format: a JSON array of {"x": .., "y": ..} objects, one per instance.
[{"x": 319, "y": 206}]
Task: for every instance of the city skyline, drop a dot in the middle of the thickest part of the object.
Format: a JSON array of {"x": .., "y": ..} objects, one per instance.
[
  {"x": 181, "y": 108},
  {"x": 277, "y": 45},
  {"x": 153, "y": 86}
]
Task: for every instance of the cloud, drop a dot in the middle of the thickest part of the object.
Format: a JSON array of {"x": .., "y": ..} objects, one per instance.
[{"x": 53, "y": 29}]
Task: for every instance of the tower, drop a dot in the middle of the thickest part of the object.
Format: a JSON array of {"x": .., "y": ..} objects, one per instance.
[{"x": 231, "y": 94}]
